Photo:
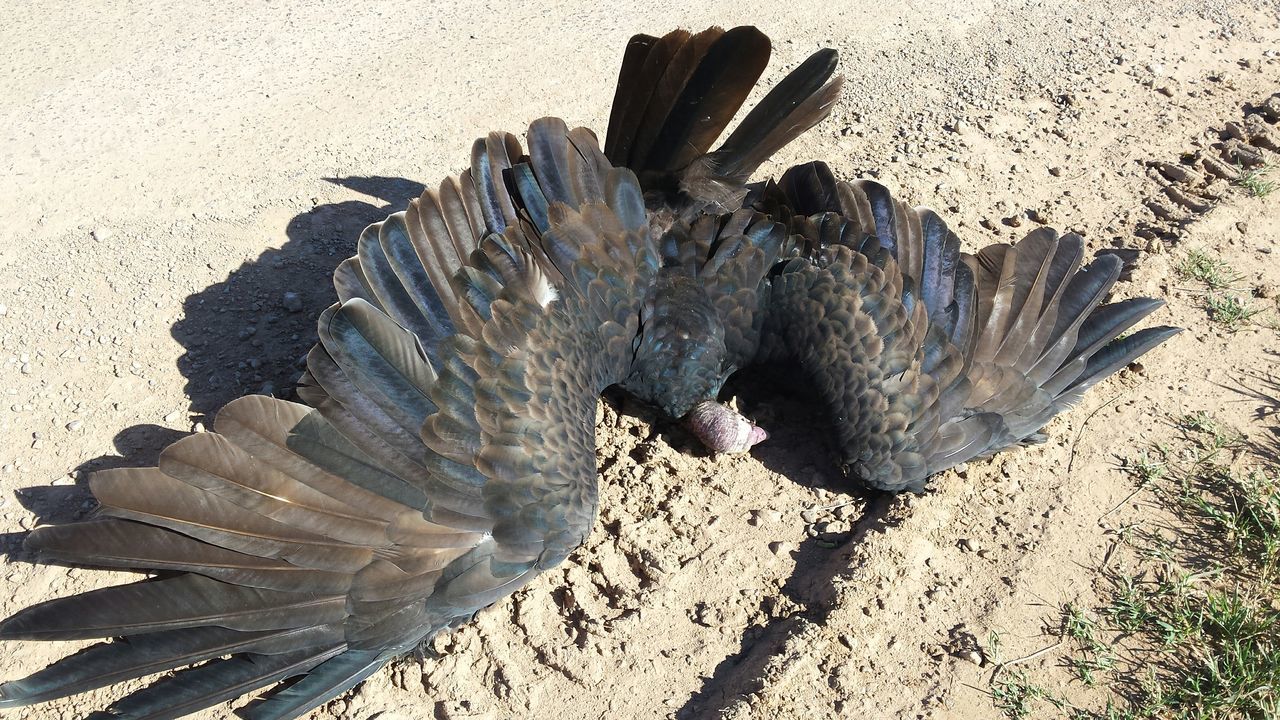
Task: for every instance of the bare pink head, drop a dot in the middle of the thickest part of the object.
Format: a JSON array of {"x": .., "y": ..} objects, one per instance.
[{"x": 722, "y": 429}]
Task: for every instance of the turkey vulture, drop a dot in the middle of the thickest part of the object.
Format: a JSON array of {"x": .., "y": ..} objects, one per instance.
[{"x": 444, "y": 455}]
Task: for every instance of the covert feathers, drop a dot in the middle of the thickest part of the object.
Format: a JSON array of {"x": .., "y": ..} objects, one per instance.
[{"x": 445, "y": 453}]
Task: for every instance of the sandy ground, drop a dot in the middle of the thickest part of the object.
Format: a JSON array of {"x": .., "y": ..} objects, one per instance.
[{"x": 169, "y": 173}]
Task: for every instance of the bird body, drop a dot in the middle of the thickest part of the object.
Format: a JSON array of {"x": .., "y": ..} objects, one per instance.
[{"x": 444, "y": 456}]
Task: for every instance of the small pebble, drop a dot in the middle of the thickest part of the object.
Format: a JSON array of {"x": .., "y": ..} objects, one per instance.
[
  {"x": 810, "y": 515},
  {"x": 26, "y": 367},
  {"x": 102, "y": 234},
  {"x": 4, "y": 310},
  {"x": 781, "y": 548},
  {"x": 442, "y": 643},
  {"x": 968, "y": 545},
  {"x": 292, "y": 302},
  {"x": 75, "y": 425},
  {"x": 760, "y": 517},
  {"x": 172, "y": 417}
]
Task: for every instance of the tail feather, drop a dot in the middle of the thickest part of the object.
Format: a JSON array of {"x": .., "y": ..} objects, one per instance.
[
  {"x": 709, "y": 97},
  {"x": 636, "y": 85},
  {"x": 799, "y": 102},
  {"x": 662, "y": 109},
  {"x": 677, "y": 94},
  {"x": 626, "y": 96}
]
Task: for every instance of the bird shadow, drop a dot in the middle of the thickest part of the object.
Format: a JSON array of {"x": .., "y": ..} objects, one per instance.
[{"x": 248, "y": 333}]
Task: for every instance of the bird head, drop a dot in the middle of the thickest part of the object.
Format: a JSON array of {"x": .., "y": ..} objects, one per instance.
[{"x": 723, "y": 429}]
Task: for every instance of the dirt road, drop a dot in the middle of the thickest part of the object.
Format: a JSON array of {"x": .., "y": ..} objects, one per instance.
[{"x": 178, "y": 182}]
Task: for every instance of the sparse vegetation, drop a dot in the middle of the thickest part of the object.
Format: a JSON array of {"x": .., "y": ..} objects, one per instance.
[
  {"x": 1225, "y": 308},
  {"x": 1146, "y": 468},
  {"x": 1092, "y": 658},
  {"x": 1200, "y": 266},
  {"x": 1192, "y": 632},
  {"x": 1128, "y": 610},
  {"x": 1015, "y": 695},
  {"x": 1229, "y": 311},
  {"x": 1255, "y": 181}
]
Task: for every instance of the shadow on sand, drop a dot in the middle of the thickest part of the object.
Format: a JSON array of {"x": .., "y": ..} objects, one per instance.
[{"x": 239, "y": 336}]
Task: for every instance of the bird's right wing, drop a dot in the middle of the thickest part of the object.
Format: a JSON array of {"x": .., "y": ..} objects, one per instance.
[
  {"x": 925, "y": 356},
  {"x": 447, "y": 457}
]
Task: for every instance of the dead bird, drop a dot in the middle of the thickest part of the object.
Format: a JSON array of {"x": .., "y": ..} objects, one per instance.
[{"x": 444, "y": 455}]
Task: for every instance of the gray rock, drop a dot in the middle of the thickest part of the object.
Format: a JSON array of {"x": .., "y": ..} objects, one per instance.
[{"x": 781, "y": 547}]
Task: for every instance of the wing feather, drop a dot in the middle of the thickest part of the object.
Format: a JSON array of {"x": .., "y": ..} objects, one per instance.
[
  {"x": 928, "y": 357},
  {"x": 448, "y": 459}
]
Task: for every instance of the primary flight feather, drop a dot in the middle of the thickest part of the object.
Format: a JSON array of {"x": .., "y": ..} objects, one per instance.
[{"x": 444, "y": 456}]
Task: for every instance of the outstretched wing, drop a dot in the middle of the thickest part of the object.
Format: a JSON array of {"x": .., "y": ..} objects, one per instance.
[
  {"x": 926, "y": 356},
  {"x": 447, "y": 457}
]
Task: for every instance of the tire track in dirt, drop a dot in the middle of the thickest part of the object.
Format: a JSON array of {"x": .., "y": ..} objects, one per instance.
[{"x": 1191, "y": 186}]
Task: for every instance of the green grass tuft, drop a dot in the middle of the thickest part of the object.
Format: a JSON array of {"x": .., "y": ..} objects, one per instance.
[
  {"x": 1200, "y": 266},
  {"x": 1256, "y": 183},
  {"x": 1229, "y": 311}
]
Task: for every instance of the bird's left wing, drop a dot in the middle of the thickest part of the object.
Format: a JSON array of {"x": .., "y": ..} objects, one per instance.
[{"x": 447, "y": 456}]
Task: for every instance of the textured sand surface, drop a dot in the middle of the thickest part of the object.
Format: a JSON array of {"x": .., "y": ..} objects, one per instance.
[{"x": 178, "y": 182}]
